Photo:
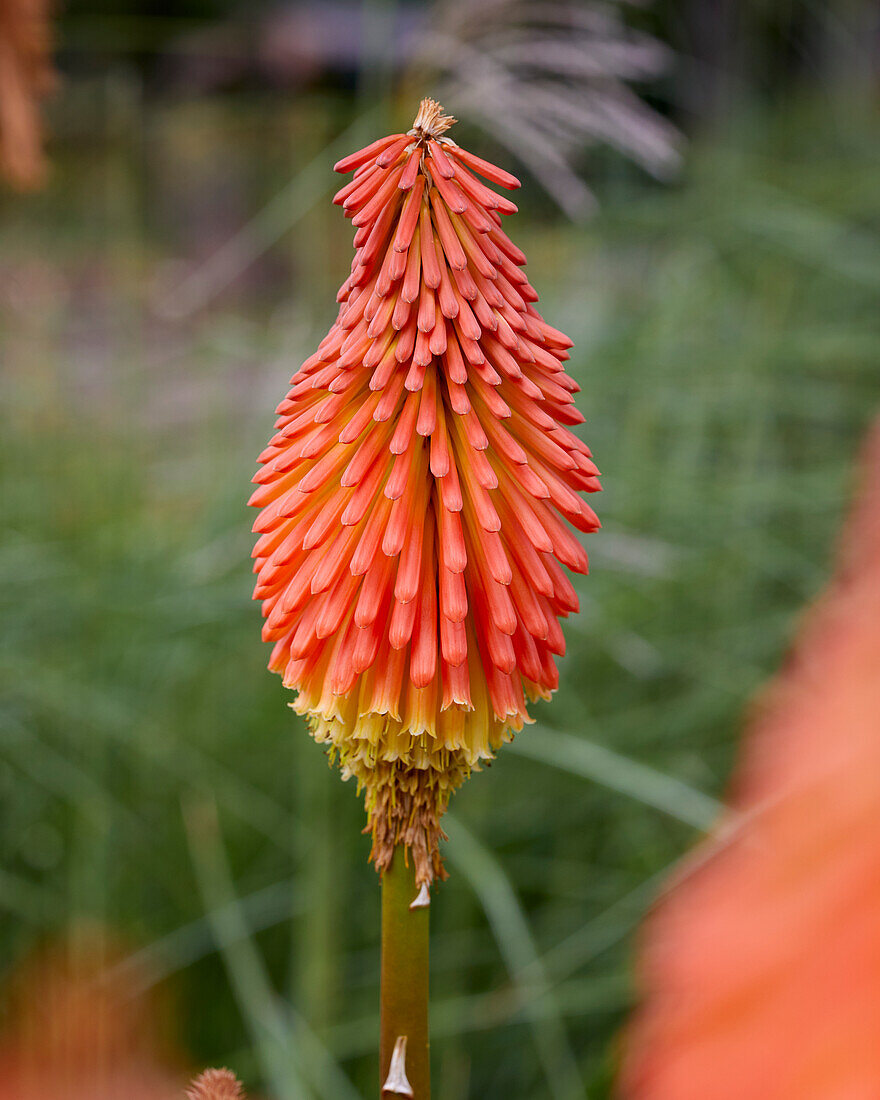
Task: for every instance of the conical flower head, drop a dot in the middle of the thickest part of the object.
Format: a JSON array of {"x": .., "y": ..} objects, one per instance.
[{"x": 415, "y": 494}]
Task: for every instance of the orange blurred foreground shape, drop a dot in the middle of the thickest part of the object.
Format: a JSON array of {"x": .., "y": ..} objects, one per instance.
[
  {"x": 26, "y": 76},
  {"x": 75, "y": 1030},
  {"x": 761, "y": 970}
]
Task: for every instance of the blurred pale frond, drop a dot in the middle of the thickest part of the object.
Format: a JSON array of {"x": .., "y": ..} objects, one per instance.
[{"x": 547, "y": 80}]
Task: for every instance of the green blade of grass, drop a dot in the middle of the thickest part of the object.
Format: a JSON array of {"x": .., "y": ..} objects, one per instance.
[
  {"x": 517, "y": 946},
  {"x": 640, "y": 781},
  {"x": 294, "y": 1060}
]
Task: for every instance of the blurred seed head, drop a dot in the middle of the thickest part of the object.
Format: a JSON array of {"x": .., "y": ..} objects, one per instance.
[{"x": 548, "y": 80}]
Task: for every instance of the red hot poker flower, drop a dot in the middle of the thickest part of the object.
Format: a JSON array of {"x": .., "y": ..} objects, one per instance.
[{"x": 410, "y": 533}]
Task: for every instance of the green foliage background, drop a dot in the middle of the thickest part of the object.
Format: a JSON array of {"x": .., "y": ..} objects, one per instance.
[{"x": 727, "y": 344}]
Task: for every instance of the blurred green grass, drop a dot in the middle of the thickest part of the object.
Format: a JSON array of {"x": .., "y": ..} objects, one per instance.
[{"x": 727, "y": 343}]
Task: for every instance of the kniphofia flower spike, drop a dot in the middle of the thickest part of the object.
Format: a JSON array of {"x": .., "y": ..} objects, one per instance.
[{"x": 410, "y": 533}]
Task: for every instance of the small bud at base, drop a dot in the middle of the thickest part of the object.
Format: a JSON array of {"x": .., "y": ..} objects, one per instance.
[{"x": 216, "y": 1084}]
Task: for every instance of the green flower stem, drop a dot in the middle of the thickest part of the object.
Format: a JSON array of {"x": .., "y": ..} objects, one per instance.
[{"x": 404, "y": 995}]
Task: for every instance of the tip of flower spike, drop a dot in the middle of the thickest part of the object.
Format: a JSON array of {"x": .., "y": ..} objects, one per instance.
[{"x": 431, "y": 122}]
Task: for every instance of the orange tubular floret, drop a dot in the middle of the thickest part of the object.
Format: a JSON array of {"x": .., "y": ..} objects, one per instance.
[{"x": 415, "y": 495}]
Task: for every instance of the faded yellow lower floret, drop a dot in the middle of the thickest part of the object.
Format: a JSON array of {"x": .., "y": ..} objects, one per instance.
[{"x": 408, "y": 773}]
